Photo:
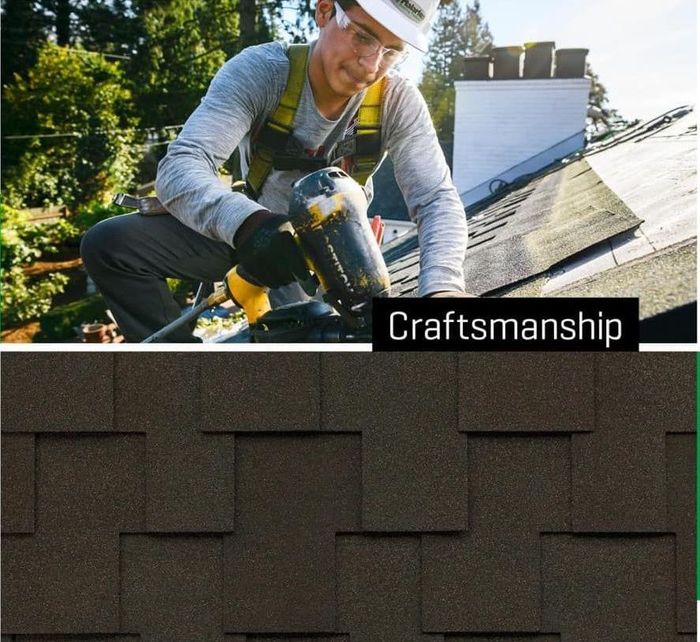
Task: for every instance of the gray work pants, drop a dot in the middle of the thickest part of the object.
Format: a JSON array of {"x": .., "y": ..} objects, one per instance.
[{"x": 129, "y": 258}]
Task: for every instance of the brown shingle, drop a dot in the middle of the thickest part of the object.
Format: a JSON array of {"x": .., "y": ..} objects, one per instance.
[
  {"x": 488, "y": 579},
  {"x": 526, "y": 392},
  {"x": 171, "y": 587},
  {"x": 618, "y": 472},
  {"x": 258, "y": 391},
  {"x": 189, "y": 475},
  {"x": 17, "y": 483},
  {"x": 57, "y": 392},
  {"x": 603, "y": 588},
  {"x": 89, "y": 489},
  {"x": 379, "y": 588},
  {"x": 414, "y": 463},
  {"x": 680, "y": 467},
  {"x": 293, "y": 494}
]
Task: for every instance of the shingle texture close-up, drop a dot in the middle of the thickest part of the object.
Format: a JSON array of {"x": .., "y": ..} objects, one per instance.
[{"x": 347, "y": 497}]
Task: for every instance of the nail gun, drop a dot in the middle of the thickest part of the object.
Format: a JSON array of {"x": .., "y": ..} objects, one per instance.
[{"x": 328, "y": 211}]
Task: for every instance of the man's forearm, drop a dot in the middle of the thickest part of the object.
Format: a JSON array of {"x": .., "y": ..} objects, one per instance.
[{"x": 188, "y": 186}]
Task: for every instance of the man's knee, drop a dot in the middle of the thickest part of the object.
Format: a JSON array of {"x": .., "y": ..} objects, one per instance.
[{"x": 102, "y": 242}]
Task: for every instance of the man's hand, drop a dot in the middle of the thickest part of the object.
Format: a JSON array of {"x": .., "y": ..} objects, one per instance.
[
  {"x": 451, "y": 294},
  {"x": 268, "y": 252}
]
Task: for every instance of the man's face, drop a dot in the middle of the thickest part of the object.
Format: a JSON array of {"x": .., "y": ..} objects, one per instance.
[{"x": 346, "y": 72}]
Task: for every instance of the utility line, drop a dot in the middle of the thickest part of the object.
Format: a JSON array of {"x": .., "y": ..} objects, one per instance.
[{"x": 96, "y": 133}]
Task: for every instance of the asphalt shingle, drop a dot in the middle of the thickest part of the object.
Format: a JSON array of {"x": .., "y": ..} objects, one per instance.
[
  {"x": 57, "y": 392},
  {"x": 618, "y": 472},
  {"x": 171, "y": 587},
  {"x": 189, "y": 475},
  {"x": 414, "y": 463},
  {"x": 379, "y": 588},
  {"x": 526, "y": 392},
  {"x": 680, "y": 467},
  {"x": 293, "y": 494},
  {"x": 528, "y": 231},
  {"x": 17, "y": 483},
  {"x": 488, "y": 579},
  {"x": 260, "y": 391},
  {"x": 601, "y": 588},
  {"x": 396, "y": 507},
  {"x": 89, "y": 489}
]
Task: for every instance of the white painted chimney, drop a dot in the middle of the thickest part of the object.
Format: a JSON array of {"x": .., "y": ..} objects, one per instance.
[{"x": 518, "y": 117}]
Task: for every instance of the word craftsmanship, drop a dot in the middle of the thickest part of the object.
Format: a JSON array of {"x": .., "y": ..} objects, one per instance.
[{"x": 506, "y": 324}]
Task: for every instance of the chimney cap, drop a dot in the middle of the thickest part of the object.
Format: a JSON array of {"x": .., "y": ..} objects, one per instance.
[
  {"x": 512, "y": 49},
  {"x": 549, "y": 44}
]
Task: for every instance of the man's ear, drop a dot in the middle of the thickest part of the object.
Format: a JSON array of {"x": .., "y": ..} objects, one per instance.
[{"x": 324, "y": 12}]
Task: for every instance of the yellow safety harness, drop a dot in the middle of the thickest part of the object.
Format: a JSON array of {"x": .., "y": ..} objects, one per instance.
[{"x": 274, "y": 146}]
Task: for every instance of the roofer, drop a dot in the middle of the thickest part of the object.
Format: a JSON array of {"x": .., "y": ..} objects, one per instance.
[{"x": 213, "y": 228}]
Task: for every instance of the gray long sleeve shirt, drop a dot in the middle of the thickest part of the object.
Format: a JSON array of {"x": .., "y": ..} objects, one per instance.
[{"x": 244, "y": 92}]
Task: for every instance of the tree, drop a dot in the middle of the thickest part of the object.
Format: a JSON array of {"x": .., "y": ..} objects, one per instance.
[
  {"x": 77, "y": 112},
  {"x": 600, "y": 114},
  {"x": 182, "y": 43},
  {"x": 457, "y": 33},
  {"x": 22, "y": 32}
]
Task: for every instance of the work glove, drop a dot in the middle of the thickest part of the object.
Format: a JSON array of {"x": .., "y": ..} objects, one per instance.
[{"x": 268, "y": 252}]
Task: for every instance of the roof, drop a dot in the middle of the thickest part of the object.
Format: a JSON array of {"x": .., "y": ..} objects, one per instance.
[
  {"x": 602, "y": 223},
  {"x": 438, "y": 497}
]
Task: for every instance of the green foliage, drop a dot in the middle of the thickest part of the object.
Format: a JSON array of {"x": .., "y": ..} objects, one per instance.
[
  {"x": 58, "y": 323},
  {"x": 182, "y": 289},
  {"x": 83, "y": 100},
  {"x": 23, "y": 300},
  {"x": 183, "y": 44},
  {"x": 602, "y": 116},
  {"x": 92, "y": 214},
  {"x": 457, "y": 33},
  {"x": 22, "y": 32},
  {"x": 25, "y": 242}
]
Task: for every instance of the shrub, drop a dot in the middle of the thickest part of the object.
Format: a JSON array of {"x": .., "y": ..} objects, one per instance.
[
  {"x": 81, "y": 102},
  {"x": 25, "y": 242},
  {"x": 58, "y": 324}
]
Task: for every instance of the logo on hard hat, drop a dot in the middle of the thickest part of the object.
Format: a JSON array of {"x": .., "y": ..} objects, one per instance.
[{"x": 411, "y": 10}]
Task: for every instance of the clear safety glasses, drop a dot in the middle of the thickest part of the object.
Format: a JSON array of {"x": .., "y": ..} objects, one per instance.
[{"x": 365, "y": 44}]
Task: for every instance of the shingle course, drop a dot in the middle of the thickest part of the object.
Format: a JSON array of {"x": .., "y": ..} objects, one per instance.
[{"x": 426, "y": 497}]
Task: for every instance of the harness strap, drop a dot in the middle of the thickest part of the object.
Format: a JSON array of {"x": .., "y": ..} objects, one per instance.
[
  {"x": 278, "y": 127},
  {"x": 275, "y": 136},
  {"x": 368, "y": 138}
]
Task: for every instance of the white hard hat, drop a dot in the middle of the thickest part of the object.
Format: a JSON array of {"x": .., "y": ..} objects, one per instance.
[{"x": 406, "y": 19}]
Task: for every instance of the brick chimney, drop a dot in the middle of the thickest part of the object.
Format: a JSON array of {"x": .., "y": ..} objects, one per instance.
[{"x": 516, "y": 112}]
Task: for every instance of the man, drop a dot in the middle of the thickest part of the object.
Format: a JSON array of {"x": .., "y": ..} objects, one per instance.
[{"x": 213, "y": 228}]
